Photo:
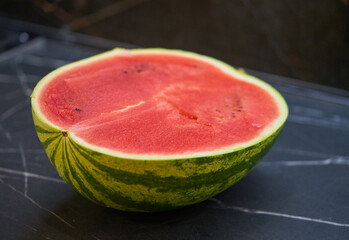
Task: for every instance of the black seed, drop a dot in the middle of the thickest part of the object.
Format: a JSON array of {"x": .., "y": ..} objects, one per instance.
[
  {"x": 239, "y": 110},
  {"x": 126, "y": 72},
  {"x": 77, "y": 109},
  {"x": 65, "y": 134},
  {"x": 217, "y": 110}
]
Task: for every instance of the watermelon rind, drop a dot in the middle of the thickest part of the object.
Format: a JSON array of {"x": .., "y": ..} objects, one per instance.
[{"x": 151, "y": 182}]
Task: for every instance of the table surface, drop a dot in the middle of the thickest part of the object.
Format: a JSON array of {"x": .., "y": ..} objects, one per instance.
[{"x": 300, "y": 190}]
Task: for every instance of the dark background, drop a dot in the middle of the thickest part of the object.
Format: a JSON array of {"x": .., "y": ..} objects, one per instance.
[
  {"x": 298, "y": 191},
  {"x": 305, "y": 40}
]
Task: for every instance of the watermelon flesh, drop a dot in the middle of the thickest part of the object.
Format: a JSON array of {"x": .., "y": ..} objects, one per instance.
[
  {"x": 157, "y": 104},
  {"x": 154, "y": 129}
]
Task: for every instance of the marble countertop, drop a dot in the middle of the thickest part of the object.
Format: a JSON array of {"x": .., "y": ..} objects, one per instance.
[{"x": 300, "y": 190}]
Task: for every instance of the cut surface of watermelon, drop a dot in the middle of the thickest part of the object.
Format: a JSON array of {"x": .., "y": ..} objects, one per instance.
[
  {"x": 159, "y": 102},
  {"x": 154, "y": 129}
]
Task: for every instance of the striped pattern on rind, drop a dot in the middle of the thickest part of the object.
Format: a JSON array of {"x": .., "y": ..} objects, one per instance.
[{"x": 145, "y": 185}]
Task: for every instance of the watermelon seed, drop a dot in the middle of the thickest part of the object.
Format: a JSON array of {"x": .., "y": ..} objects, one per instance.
[
  {"x": 126, "y": 72},
  {"x": 218, "y": 110},
  {"x": 77, "y": 109},
  {"x": 65, "y": 134}
]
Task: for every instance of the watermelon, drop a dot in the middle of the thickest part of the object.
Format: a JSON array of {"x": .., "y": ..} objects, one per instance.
[{"x": 154, "y": 129}]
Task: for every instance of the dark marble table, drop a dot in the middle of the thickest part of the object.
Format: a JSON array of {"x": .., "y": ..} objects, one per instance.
[{"x": 300, "y": 190}]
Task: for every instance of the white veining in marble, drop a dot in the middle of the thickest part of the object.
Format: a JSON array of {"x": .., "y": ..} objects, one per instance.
[
  {"x": 24, "y": 164},
  {"x": 15, "y": 150},
  {"x": 14, "y": 109},
  {"x": 328, "y": 161},
  {"x": 5, "y": 132},
  {"x": 22, "y": 78},
  {"x": 10, "y": 78},
  {"x": 305, "y": 153},
  {"x": 43, "y": 61},
  {"x": 10, "y": 177},
  {"x": 20, "y": 222},
  {"x": 37, "y": 204},
  {"x": 335, "y": 122},
  {"x": 31, "y": 175},
  {"x": 224, "y": 206},
  {"x": 307, "y": 111}
]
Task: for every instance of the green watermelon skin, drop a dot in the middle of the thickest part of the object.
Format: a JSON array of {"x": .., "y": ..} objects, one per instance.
[{"x": 145, "y": 185}]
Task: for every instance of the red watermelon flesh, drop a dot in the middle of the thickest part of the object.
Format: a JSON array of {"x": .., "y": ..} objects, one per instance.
[{"x": 157, "y": 104}]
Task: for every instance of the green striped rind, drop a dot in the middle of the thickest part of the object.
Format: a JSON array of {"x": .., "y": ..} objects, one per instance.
[{"x": 145, "y": 185}]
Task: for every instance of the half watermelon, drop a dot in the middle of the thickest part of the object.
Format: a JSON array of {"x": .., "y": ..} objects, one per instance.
[{"x": 154, "y": 129}]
